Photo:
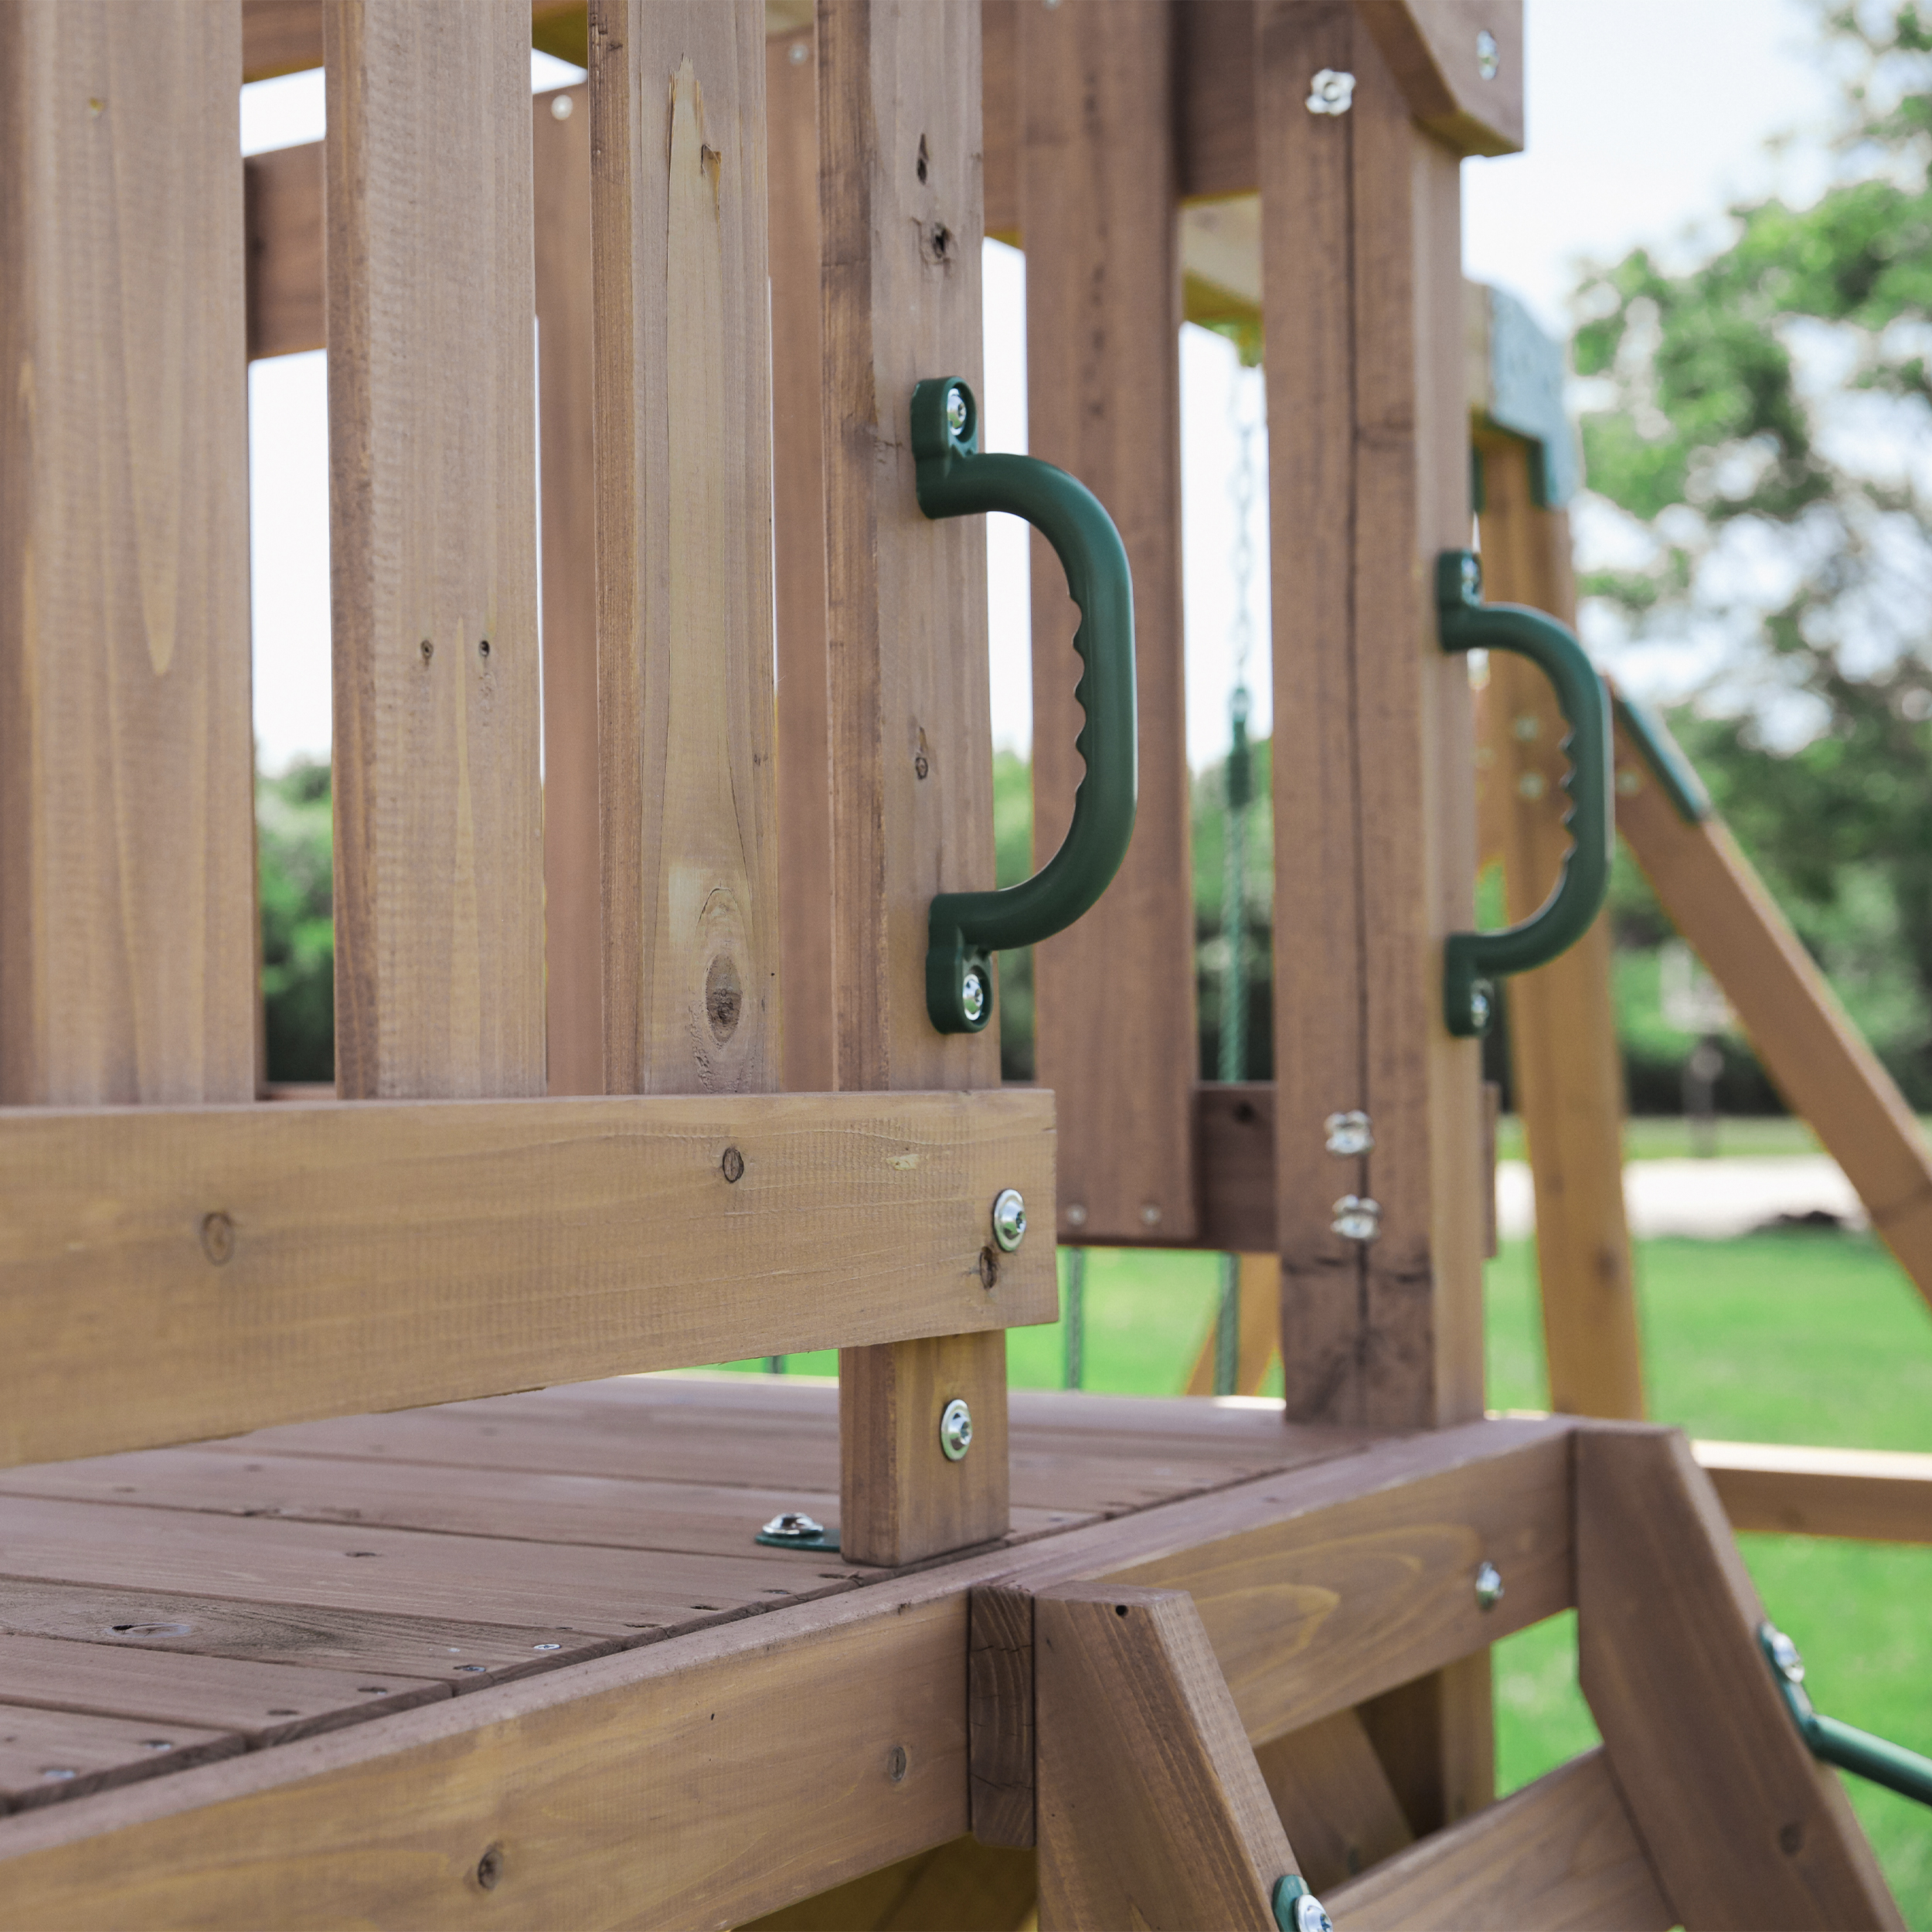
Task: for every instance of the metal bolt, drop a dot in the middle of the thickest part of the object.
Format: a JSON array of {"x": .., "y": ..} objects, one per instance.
[
  {"x": 1357, "y": 1218},
  {"x": 1076, "y": 1215},
  {"x": 1489, "y": 60},
  {"x": 1331, "y": 92},
  {"x": 547, "y": 1646},
  {"x": 795, "y": 1525},
  {"x": 1310, "y": 1916},
  {"x": 1784, "y": 1655},
  {"x": 972, "y": 994},
  {"x": 956, "y": 411},
  {"x": 1488, "y": 1586},
  {"x": 1150, "y": 1214},
  {"x": 58, "y": 1773},
  {"x": 956, "y": 1429},
  {"x": 800, "y": 53},
  {"x": 562, "y": 107},
  {"x": 1347, "y": 1135},
  {"x": 157, "y": 1744},
  {"x": 1532, "y": 785},
  {"x": 1010, "y": 1219},
  {"x": 1480, "y": 1007}
]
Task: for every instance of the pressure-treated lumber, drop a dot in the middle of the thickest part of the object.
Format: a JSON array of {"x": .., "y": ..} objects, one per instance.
[
  {"x": 127, "y": 937},
  {"x": 1744, "y": 1827},
  {"x": 683, "y": 444},
  {"x": 964, "y": 1883},
  {"x": 48, "y": 1755},
  {"x": 1434, "y": 48},
  {"x": 1561, "y": 1853},
  {"x": 1098, "y": 184},
  {"x": 1809, "y": 1046},
  {"x": 170, "y": 1275},
  {"x": 287, "y": 311},
  {"x": 1877, "y": 1495},
  {"x": 572, "y": 866},
  {"x": 1152, "y": 1810},
  {"x": 899, "y": 92},
  {"x": 438, "y": 814},
  {"x": 1002, "y": 1750},
  {"x": 1334, "y": 1799},
  {"x": 1564, "y": 1058}
]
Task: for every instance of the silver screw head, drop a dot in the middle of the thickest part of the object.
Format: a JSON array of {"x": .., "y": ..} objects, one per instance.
[
  {"x": 1076, "y": 1215},
  {"x": 1488, "y": 1586},
  {"x": 1479, "y": 1008},
  {"x": 1356, "y": 1218},
  {"x": 1784, "y": 1655},
  {"x": 956, "y": 411},
  {"x": 562, "y": 107},
  {"x": 795, "y": 1524},
  {"x": 1347, "y": 1135},
  {"x": 1488, "y": 59},
  {"x": 1311, "y": 1916},
  {"x": 1010, "y": 1219},
  {"x": 1150, "y": 1214},
  {"x": 955, "y": 1430},
  {"x": 972, "y": 994},
  {"x": 1331, "y": 92},
  {"x": 800, "y": 53}
]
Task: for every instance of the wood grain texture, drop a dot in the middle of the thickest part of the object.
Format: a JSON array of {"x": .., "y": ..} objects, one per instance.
[
  {"x": 964, "y": 1883},
  {"x": 1334, "y": 1799},
  {"x": 999, "y": 1703},
  {"x": 1564, "y": 1060},
  {"x": 1744, "y": 1827},
  {"x": 798, "y": 555},
  {"x": 683, "y": 448},
  {"x": 911, "y": 735},
  {"x": 1818, "y": 1059},
  {"x": 1876, "y": 1495},
  {"x": 170, "y": 1276},
  {"x": 287, "y": 312},
  {"x": 572, "y": 862},
  {"x": 1430, "y": 46},
  {"x": 48, "y": 1755},
  {"x": 1436, "y": 1738},
  {"x": 439, "y": 864},
  {"x": 1561, "y": 1853},
  {"x": 284, "y": 36},
  {"x": 1097, "y": 183},
  {"x": 127, "y": 939},
  {"x": 1152, "y": 1810},
  {"x": 1260, "y": 1279}
]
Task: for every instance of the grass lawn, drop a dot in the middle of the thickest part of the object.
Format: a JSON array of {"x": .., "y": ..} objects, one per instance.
[{"x": 1792, "y": 1336}]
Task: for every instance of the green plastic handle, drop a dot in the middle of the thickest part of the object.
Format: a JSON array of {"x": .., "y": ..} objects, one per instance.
[
  {"x": 1850, "y": 1749},
  {"x": 964, "y": 929},
  {"x": 1473, "y": 962}
]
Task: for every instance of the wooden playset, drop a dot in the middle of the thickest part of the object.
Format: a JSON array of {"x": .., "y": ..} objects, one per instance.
[{"x": 352, "y": 1572}]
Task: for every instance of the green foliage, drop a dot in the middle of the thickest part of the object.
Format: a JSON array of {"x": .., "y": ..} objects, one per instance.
[{"x": 294, "y": 849}]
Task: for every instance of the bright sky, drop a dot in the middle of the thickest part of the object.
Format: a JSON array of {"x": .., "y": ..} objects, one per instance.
[{"x": 1646, "y": 118}]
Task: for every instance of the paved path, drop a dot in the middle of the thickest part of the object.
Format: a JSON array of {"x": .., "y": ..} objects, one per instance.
[{"x": 1714, "y": 1199}]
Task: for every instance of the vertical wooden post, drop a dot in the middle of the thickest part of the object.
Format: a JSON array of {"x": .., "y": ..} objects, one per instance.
[
  {"x": 439, "y": 912},
  {"x": 684, "y": 546},
  {"x": 1562, "y": 1035},
  {"x": 127, "y": 945},
  {"x": 798, "y": 551},
  {"x": 1098, "y": 218},
  {"x": 900, "y": 203},
  {"x": 572, "y": 872}
]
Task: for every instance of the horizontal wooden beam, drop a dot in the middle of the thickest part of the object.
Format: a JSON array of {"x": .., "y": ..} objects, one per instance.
[
  {"x": 1874, "y": 1496},
  {"x": 285, "y": 36},
  {"x": 168, "y": 1274},
  {"x": 1560, "y": 1852}
]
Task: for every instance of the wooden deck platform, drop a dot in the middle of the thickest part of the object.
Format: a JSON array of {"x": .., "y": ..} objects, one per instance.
[{"x": 161, "y": 1609}]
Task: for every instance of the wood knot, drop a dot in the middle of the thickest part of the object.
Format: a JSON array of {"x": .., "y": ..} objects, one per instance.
[
  {"x": 724, "y": 999},
  {"x": 217, "y": 1237}
]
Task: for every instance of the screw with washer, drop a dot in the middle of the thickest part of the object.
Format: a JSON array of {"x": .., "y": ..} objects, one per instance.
[
  {"x": 1010, "y": 1219},
  {"x": 1331, "y": 92},
  {"x": 972, "y": 993},
  {"x": 1356, "y": 1218},
  {"x": 955, "y": 1430},
  {"x": 1347, "y": 1135},
  {"x": 1489, "y": 56},
  {"x": 1488, "y": 1586},
  {"x": 957, "y": 415}
]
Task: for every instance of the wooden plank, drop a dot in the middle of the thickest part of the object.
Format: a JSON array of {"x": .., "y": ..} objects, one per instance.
[
  {"x": 962, "y": 1883},
  {"x": 1743, "y": 1826},
  {"x": 45, "y": 1755},
  {"x": 911, "y": 732},
  {"x": 683, "y": 445},
  {"x": 128, "y": 928},
  {"x": 1436, "y": 1737},
  {"x": 1334, "y": 1799},
  {"x": 1435, "y": 49},
  {"x": 438, "y": 813},
  {"x": 287, "y": 312},
  {"x": 798, "y": 555},
  {"x": 1800, "y": 1032},
  {"x": 1235, "y": 1165},
  {"x": 284, "y": 36},
  {"x": 1002, "y": 1746},
  {"x": 1561, "y": 1853},
  {"x": 262, "y": 1703},
  {"x": 1152, "y": 1810},
  {"x": 573, "y": 861},
  {"x": 1880, "y": 1495},
  {"x": 166, "y": 1276},
  {"x": 1564, "y": 1057},
  {"x": 1097, "y": 180}
]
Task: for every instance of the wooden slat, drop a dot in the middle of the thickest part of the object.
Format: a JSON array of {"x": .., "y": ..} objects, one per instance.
[
  {"x": 573, "y": 865},
  {"x": 46, "y": 1755},
  {"x": 127, "y": 939},
  {"x": 284, "y": 36},
  {"x": 1880, "y": 1495},
  {"x": 1003, "y": 1746},
  {"x": 262, "y": 1703},
  {"x": 1431, "y": 47},
  {"x": 1561, "y": 1853},
  {"x": 798, "y": 555},
  {"x": 439, "y": 864},
  {"x": 1801, "y": 1032},
  {"x": 1334, "y": 1799},
  {"x": 1097, "y": 179},
  {"x": 288, "y": 313},
  {"x": 962, "y": 1883},
  {"x": 1744, "y": 1827},
  {"x": 1564, "y": 1057},
  {"x": 683, "y": 445},
  {"x": 1436, "y": 1738},
  {"x": 1152, "y": 1810},
  {"x": 911, "y": 733},
  {"x": 172, "y": 1275}
]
